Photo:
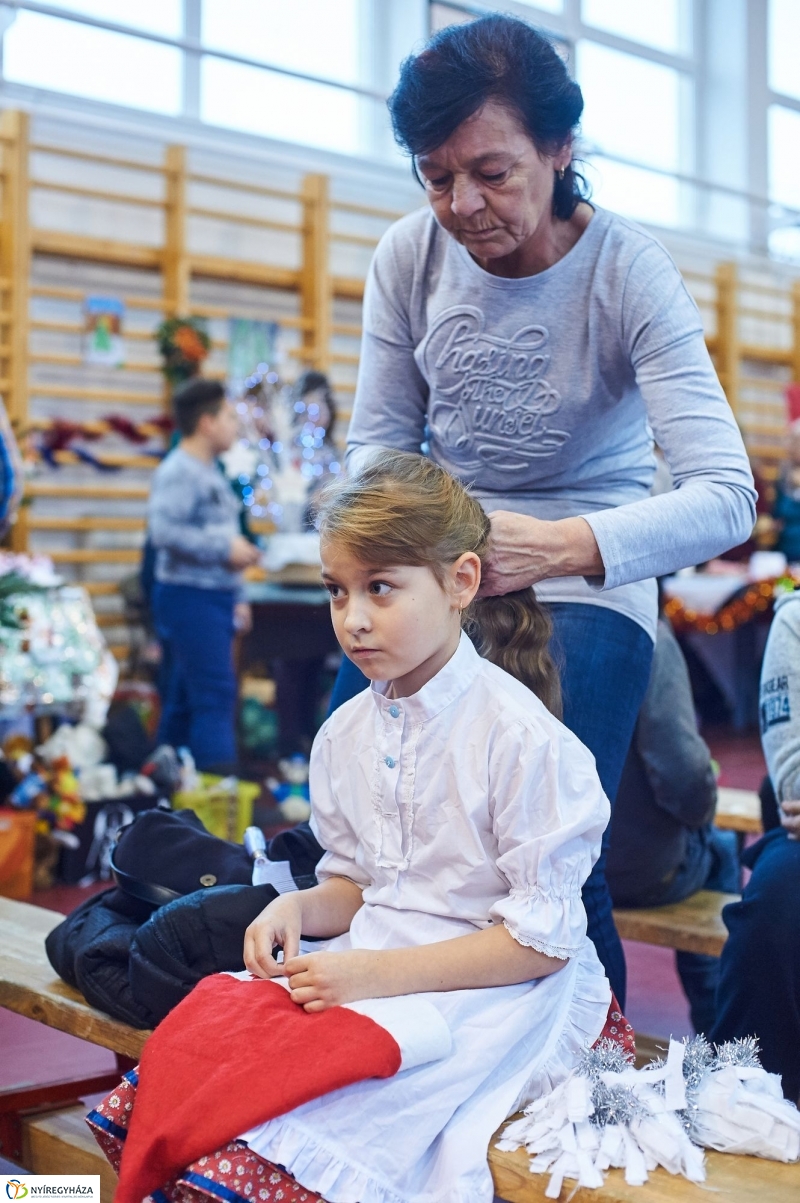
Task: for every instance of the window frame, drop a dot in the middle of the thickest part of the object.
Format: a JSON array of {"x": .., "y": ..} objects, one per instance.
[
  {"x": 566, "y": 27},
  {"x": 189, "y": 44}
]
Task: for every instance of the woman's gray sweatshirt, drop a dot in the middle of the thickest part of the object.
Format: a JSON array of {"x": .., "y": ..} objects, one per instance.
[{"x": 544, "y": 394}]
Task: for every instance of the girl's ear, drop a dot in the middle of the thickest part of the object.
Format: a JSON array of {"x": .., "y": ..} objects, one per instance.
[{"x": 466, "y": 578}]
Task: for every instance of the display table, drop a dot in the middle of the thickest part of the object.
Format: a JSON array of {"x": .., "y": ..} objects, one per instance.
[
  {"x": 291, "y": 637},
  {"x": 292, "y": 622},
  {"x": 724, "y": 618}
]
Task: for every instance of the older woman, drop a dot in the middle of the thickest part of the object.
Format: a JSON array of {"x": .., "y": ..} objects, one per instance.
[{"x": 533, "y": 345}]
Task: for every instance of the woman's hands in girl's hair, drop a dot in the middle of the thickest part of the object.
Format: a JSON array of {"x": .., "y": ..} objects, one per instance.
[
  {"x": 524, "y": 550},
  {"x": 279, "y": 923},
  {"x": 327, "y": 979}
]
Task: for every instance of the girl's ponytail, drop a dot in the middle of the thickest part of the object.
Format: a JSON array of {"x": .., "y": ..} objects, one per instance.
[{"x": 513, "y": 631}]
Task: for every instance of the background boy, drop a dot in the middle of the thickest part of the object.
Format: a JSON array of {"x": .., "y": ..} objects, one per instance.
[{"x": 193, "y": 521}]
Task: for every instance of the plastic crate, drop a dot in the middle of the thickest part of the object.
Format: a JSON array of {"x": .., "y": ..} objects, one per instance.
[{"x": 224, "y": 812}]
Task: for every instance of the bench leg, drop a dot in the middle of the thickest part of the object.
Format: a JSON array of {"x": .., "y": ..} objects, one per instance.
[{"x": 50, "y": 1095}]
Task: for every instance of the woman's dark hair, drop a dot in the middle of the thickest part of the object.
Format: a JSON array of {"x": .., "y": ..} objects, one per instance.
[
  {"x": 193, "y": 399},
  {"x": 498, "y": 58}
]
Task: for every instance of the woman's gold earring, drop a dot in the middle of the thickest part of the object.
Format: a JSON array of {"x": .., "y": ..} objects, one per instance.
[{"x": 562, "y": 172}]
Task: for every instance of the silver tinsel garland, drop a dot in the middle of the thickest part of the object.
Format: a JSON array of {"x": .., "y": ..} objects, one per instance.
[
  {"x": 612, "y": 1104},
  {"x": 606, "y": 1114},
  {"x": 606, "y": 1056},
  {"x": 699, "y": 1058},
  {"x": 744, "y": 1051},
  {"x": 615, "y": 1105}
]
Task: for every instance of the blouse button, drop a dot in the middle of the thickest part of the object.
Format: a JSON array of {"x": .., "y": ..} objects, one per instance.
[
  {"x": 389, "y": 762},
  {"x": 394, "y": 711}
]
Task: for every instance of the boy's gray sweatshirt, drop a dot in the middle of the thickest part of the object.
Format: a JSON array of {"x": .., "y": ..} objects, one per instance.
[
  {"x": 193, "y": 516},
  {"x": 779, "y": 702}
]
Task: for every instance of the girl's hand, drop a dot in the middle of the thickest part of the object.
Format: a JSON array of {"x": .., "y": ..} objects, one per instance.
[
  {"x": 328, "y": 979},
  {"x": 279, "y": 923}
]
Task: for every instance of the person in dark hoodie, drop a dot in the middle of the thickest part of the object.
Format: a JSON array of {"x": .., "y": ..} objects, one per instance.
[
  {"x": 759, "y": 989},
  {"x": 663, "y": 846}
]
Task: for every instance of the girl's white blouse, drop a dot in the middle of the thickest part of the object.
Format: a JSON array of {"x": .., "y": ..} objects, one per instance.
[{"x": 465, "y": 804}]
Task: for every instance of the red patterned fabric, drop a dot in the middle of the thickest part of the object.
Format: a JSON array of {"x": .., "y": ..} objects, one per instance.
[
  {"x": 233, "y": 1173},
  {"x": 198, "y": 1089},
  {"x": 235, "y": 1168},
  {"x": 618, "y": 1029}
]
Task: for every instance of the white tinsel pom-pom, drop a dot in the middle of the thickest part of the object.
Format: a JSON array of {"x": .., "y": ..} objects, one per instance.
[{"x": 606, "y": 1113}]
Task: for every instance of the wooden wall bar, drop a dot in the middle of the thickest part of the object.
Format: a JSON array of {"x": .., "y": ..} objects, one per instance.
[{"x": 172, "y": 232}]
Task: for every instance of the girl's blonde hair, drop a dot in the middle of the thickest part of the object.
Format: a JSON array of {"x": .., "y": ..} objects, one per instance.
[{"x": 405, "y": 509}]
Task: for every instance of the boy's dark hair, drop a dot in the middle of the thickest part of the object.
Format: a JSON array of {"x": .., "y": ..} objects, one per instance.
[
  {"x": 192, "y": 400},
  {"x": 499, "y": 58}
]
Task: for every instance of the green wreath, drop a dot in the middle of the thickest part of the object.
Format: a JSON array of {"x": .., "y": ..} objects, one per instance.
[{"x": 184, "y": 344}]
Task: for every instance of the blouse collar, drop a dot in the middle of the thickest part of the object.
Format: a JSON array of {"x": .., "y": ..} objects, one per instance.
[{"x": 449, "y": 683}]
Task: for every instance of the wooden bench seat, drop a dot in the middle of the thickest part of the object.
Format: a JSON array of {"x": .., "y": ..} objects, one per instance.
[
  {"x": 29, "y": 986},
  {"x": 694, "y": 925},
  {"x": 730, "y": 1179},
  {"x": 59, "y": 1142},
  {"x": 738, "y": 810}
]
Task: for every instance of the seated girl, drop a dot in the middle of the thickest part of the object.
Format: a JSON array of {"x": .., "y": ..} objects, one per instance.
[{"x": 460, "y": 820}]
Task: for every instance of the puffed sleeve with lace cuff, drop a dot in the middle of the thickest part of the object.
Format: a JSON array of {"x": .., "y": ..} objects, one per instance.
[
  {"x": 328, "y": 819},
  {"x": 548, "y": 816}
]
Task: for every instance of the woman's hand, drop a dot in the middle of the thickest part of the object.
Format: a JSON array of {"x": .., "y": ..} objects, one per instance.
[
  {"x": 525, "y": 550},
  {"x": 790, "y": 818},
  {"x": 328, "y": 979},
  {"x": 279, "y": 923}
]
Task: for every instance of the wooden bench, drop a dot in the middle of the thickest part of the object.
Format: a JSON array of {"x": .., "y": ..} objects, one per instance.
[
  {"x": 730, "y": 1179},
  {"x": 694, "y": 925},
  {"x": 52, "y": 1141},
  {"x": 738, "y": 810},
  {"x": 30, "y": 986},
  {"x": 35, "y": 1127},
  {"x": 59, "y": 1142}
]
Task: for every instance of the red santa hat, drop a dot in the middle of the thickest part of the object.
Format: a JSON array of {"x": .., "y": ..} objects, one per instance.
[{"x": 238, "y": 1052}]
